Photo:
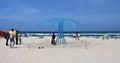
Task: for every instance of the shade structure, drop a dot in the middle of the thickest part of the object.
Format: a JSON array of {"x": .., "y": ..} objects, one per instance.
[{"x": 60, "y": 25}]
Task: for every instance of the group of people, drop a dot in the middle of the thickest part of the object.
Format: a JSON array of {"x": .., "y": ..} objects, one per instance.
[{"x": 12, "y": 35}]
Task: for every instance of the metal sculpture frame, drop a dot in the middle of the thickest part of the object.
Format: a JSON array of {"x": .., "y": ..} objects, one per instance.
[
  {"x": 60, "y": 37},
  {"x": 60, "y": 25}
]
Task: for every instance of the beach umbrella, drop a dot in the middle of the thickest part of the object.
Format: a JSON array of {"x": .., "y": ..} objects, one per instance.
[{"x": 60, "y": 25}]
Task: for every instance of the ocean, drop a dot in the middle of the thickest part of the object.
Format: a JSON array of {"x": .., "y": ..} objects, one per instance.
[{"x": 83, "y": 33}]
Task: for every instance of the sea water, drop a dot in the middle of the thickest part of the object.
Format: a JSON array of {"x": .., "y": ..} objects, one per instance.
[{"x": 71, "y": 33}]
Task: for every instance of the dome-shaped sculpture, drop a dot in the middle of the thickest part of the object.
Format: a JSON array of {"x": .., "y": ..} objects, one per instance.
[
  {"x": 60, "y": 25},
  {"x": 51, "y": 25}
]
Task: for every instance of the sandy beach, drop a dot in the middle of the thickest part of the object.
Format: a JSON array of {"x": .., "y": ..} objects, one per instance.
[{"x": 85, "y": 50}]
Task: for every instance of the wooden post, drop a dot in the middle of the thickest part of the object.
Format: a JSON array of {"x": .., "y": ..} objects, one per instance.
[
  {"x": 29, "y": 45},
  {"x": 85, "y": 45}
]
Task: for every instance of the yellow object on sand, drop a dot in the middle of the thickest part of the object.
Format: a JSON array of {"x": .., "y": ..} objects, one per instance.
[{"x": 105, "y": 36}]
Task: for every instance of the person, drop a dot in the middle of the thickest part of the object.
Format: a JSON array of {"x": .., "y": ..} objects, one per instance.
[
  {"x": 12, "y": 37},
  {"x": 16, "y": 37},
  {"x": 15, "y": 34},
  {"x": 76, "y": 36},
  {"x": 53, "y": 39},
  {"x": 20, "y": 39},
  {"x": 6, "y": 36}
]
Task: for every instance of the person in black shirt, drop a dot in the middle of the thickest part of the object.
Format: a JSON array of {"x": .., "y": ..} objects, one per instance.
[
  {"x": 53, "y": 39},
  {"x": 16, "y": 37},
  {"x": 6, "y": 36}
]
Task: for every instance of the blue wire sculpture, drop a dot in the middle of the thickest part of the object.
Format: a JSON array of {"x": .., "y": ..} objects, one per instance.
[
  {"x": 60, "y": 37},
  {"x": 60, "y": 25}
]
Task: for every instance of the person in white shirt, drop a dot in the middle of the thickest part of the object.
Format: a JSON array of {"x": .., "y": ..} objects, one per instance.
[{"x": 11, "y": 38}]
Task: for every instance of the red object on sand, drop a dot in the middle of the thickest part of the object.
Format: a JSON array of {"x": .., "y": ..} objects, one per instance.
[{"x": 1, "y": 33}]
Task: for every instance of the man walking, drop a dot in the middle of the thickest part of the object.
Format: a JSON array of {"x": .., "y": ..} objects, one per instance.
[{"x": 12, "y": 38}]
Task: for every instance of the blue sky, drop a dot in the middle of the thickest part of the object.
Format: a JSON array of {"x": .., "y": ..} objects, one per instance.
[{"x": 97, "y": 15}]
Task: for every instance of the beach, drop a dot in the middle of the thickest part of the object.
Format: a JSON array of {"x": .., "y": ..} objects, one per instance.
[{"x": 85, "y": 50}]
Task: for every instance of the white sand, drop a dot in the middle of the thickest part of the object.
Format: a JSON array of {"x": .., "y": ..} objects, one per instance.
[{"x": 98, "y": 51}]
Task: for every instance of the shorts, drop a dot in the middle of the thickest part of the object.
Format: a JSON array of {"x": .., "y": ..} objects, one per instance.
[{"x": 11, "y": 39}]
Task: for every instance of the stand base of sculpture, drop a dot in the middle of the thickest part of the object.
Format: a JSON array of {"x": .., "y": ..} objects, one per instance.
[{"x": 60, "y": 37}]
